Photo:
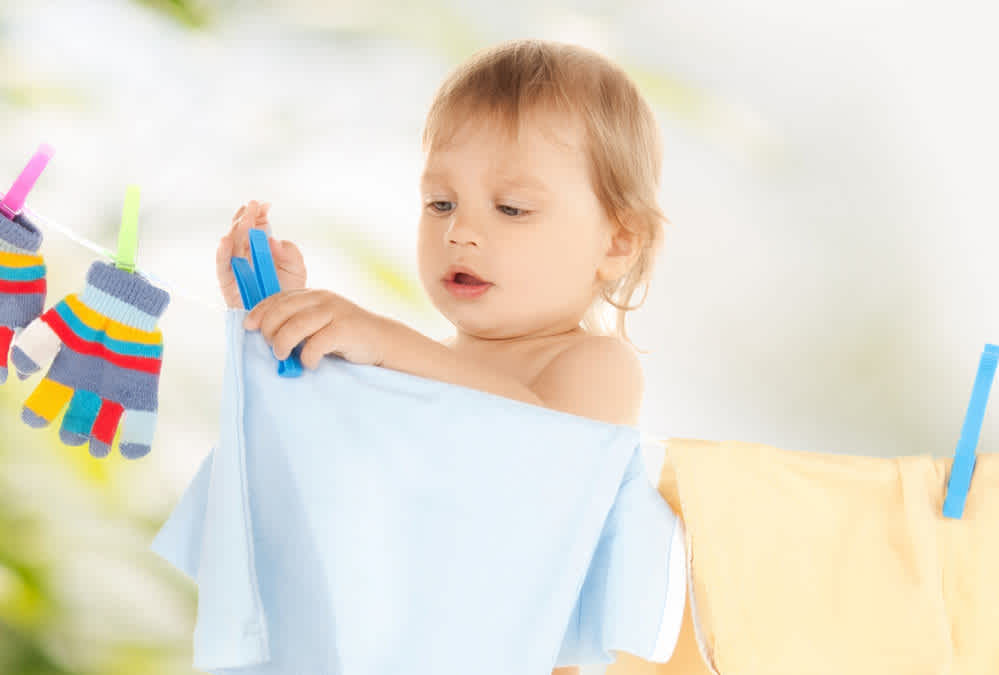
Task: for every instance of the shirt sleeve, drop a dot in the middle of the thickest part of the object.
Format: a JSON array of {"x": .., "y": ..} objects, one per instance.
[
  {"x": 634, "y": 592},
  {"x": 179, "y": 539}
]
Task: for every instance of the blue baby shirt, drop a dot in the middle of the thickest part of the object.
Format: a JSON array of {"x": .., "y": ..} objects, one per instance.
[{"x": 359, "y": 520}]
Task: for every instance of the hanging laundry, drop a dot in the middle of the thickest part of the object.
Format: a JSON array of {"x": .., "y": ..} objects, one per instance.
[
  {"x": 22, "y": 281},
  {"x": 107, "y": 355},
  {"x": 104, "y": 353},
  {"x": 807, "y": 562},
  {"x": 358, "y": 520},
  {"x": 22, "y": 268}
]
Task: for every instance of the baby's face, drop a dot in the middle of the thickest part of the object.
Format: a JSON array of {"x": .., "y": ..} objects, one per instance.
[{"x": 523, "y": 217}]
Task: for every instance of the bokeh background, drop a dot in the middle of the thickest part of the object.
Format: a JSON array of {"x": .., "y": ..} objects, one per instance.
[{"x": 828, "y": 281}]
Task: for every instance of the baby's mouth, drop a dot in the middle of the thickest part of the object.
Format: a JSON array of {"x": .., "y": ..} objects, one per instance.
[{"x": 468, "y": 280}]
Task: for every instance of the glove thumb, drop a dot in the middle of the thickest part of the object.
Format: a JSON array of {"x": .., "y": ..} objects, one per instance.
[{"x": 33, "y": 347}]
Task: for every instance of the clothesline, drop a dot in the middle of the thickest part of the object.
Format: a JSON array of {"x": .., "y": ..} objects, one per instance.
[
  {"x": 38, "y": 219},
  {"x": 174, "y": 289}
]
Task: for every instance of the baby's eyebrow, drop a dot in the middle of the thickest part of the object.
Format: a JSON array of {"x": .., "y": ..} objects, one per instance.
[
  {"x": 430, "y": 175},
  {"x": 506, "y": 180},
  {"x": 525, "y": 181}
]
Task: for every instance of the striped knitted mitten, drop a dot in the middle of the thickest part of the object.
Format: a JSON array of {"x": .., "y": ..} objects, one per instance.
[
  {"x": 22, "y": 280},
  {"x": 108, "y": 352}
]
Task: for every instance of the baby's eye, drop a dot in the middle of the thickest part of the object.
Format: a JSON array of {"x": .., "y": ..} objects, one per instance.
[
  {"x": 432, "y": 205},
  {"x": 503, "y": 206},
  {"x": 521, "y": 212}
]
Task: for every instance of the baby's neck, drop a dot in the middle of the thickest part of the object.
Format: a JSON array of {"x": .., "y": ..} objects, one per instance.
[
  {"x": 523, "y": 360},
  {"x": 475, "y": 345}
]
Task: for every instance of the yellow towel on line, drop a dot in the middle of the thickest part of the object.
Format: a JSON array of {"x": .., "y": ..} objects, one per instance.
[{"x": 810, "y": 563}]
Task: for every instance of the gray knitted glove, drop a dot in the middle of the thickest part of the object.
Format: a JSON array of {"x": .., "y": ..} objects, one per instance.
[
  {"x": 108, "y": 353},
  {"x": 22, "y": 280}
]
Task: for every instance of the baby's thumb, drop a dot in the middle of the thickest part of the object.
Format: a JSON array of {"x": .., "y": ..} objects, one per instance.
[
  {"x": 289, "y": 258},
  {"x": 266, "y": 210},
  {"x": 284, "y": 249}
]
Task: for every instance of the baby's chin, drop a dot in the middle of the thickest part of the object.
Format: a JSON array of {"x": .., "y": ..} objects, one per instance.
[
  {"x": 495, "y": 329},
  {"x": 484, "y": 325}
]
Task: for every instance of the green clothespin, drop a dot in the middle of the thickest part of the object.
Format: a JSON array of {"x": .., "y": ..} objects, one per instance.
[{"x": 128, "y": 235}]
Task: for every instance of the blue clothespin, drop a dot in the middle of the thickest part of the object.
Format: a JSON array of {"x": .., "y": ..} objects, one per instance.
[
  {"x": 964, "y": 457},
  {"x": 247, "y": 283},
  {"x": 260, "y": 283}
]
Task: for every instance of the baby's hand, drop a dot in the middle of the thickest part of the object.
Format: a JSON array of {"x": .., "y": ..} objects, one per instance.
[{"x": 287, "y": 258}]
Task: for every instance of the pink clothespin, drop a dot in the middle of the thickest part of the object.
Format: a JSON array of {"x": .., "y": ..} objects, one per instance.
[{"x": 13, "y": 201}]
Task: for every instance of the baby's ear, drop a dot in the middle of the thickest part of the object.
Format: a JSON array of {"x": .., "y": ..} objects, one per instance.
[{"x": 625, "y": 245}]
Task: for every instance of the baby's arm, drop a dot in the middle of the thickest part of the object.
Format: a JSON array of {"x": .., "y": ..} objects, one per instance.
[
  {"x": 598, "y": 376},
  {"x": 410, "y": 351}
]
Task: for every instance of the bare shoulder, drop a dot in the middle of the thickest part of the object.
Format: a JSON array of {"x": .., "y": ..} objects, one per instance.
[{"x": 596, "y": 376}]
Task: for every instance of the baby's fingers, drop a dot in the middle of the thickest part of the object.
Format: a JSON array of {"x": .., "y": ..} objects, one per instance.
[
  {"x": 250, "y": 215},
  {"x": 222, "y": 255},
  {"x": 223, "y": 269},
  {"x": 254, "y": 216},
  {"x": 289, "y": 262}
]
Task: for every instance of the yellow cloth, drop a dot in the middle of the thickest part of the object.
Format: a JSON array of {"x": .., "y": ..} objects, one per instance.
[{"x": 810, "y": 563}]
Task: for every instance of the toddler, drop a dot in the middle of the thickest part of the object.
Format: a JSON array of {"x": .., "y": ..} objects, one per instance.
[{"x": 538, "y": 207}]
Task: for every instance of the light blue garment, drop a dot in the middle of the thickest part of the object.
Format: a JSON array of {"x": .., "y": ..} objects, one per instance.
[{"x": 359, "y": 520}]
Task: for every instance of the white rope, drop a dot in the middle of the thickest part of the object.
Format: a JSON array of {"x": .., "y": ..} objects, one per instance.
[{"x": 107, "y": 253}]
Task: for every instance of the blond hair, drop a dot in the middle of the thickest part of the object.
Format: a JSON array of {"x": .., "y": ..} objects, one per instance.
[{"x": 623, "y": 144}]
